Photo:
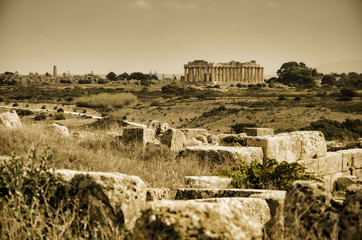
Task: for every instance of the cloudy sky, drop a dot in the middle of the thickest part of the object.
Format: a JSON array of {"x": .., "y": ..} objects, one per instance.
[{"x": 162, "y": 35}]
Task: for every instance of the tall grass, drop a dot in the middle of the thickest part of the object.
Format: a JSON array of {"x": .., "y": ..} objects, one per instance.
[{"x": 107, "y": 100}]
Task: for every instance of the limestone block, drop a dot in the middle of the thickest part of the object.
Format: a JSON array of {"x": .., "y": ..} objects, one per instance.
[
  {"x": 351, "y": 214},
  {"x": 193, "y": 193},
  {"x": 156, "y": 194},
  {"x": 193, "y": 142},
  {"x": 207, "y": 182},
  {"x": 202, "y": 139},
  {"x": 10, "y": 120},
  {"x": 221, "y": 154},
  {"x": 174, "y": 139},
  {"x": 351, "y": 159},
  {"x": 358, "y": 173},
  {"x": 330, "y": 179},
  {"x": 62, "y": 130},
  {"x": 274, "y": 228},
  {"x": 257, "y": 207},
  {"x": 311, "y": 165},
  {"x": 138, "y": 135},
  {"x": 308, "y": 214},
  {"x": 120, "y": 197},
  {"x": 212, "y": 139},
  {"x": 331, "y": 163},
  {"x": 196, "y": 220},
  {"x": 313, "y": 144},
  {"x": 259, "y": 131},
  {"x": 342, "y": 183},
  {"x": 281, "y": 147},
  {"x": 194, "y": 132}
]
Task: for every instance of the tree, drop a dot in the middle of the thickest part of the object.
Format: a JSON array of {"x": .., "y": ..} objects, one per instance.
[
  {"x": 123, "y": 76},
  {"x": 294, "y": 74},
  {"x": 329, "y": 79},
  {"x": 111, "y": 76},
  {"x": 138, "y": 76}
]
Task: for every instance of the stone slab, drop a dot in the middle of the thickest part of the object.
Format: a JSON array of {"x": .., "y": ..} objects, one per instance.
[
  {"x": 259, "y": 131},
  {"x": 174, "y": 139},
  {"x": 313, "y": 144},
  {"x": 311, "y": 165},
  {"x": 138, "y": 135},
  {"x": 207, "y": 182},
  {"x": 10, "y": 120}
]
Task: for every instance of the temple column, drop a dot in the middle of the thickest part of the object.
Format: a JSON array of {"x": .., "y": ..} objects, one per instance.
[
  {"x": 208, "y": 74},
  {"x": 262, "y": 74},
  {"x": 246, "y": 71},
  {"x": 185, "y": 75},
  {"x": 224, "y": 74},
  {"x": 212, "y": 74},
  {"x": 241, "y": 74},
  {"x": 229, "y": 74},
  {"x": 258, "y": 75}
]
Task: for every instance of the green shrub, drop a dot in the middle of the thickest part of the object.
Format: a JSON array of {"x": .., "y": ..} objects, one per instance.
[
  {"x": 267, "y": 175},
  {"x": 24, "y": 112},
  {"x": 41, "y": 116},
  {"x": 59, "y": 116},
  {"x": 15, "y": 104},
  {"x": 107, "y": 100},
  {"x": 60, "y": 110},
  {"x": 43, "y": 107}
]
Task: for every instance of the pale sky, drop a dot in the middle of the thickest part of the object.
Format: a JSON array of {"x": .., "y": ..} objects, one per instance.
[{"x": 162, "y": 35}]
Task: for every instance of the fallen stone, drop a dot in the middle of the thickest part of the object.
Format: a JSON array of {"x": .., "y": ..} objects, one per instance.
[
  {"x": 10, "y": 120},
  {"x": 259, "y": 131},
  {"x": 174, "y": 139},
  {"x": 62, "y": 130},
  {"x": 138, "y": 135},
  {"x": 196, "y": 220},
  {"x": 193, "y": 142},
  {"x": 308, "y": 214},
  {"x": 274, "y": 228},
  {"x": 193, "y": 193},
  {"x": 257, "y": 207},
  {"x": 112, "y": 196},
  {"x": 342, "y": 183},
  {"x": 351, "y": 214},
  {"x": 212, "y": 139},
  {"x": 330, "y": 180},
  {"x": 207, "y": 182},
  {"x": 157, "y": 194}
]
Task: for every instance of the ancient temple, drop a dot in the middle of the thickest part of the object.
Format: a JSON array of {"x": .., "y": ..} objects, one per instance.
[{"x": 232, "y": 72}]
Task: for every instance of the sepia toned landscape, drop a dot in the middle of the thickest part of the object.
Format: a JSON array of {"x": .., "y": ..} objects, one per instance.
[{"x": 180, "y": 120}]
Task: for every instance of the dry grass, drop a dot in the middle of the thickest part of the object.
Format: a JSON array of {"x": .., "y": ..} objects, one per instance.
[
  {"x": 158, "y": 167},
  {"x": 107, "y": 100}
]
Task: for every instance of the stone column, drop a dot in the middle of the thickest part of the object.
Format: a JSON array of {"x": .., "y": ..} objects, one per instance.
[
  {"x": 246, "y": 74},
  {"x": 212, "y": 74},
  {"x": 185, "y": 75},
  {"x": 241, "y": 74},
  {"x": 224, "y": 74},
  {"x": 262, "y": 74},
  {"x": 258, "y": 74},
  {"x": 208, "y": 74}
]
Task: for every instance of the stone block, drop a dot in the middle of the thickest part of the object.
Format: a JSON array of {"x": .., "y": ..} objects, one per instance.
[
  {"x": 194, "y": 132},
  {"x": 196, "y": 220},
  {"x": 351, "y": 159},
  {"x": 313, "y": 144},
  {"x": 342, "y": 183},
  {"x": 62, "y": 130},
  {"x": 232, "y": 139},
  {"x": 138, "y": 135},
  {"x": 308, "y": 214},
  {"x": 351, "y": 215},
  {"x": 257, "y": 207},
  {"x": 157, "y": 194},
  {"x": 330, "y": 179},
  {"x": 331, "y": 163},
  {"x": 117, "y": 196},
  {"x": 221, "y": 154},
  {"x": 174, "y": 139},
  {"x": 159, "y": 127},
  {"x": 212, "y": 139},
  {"x": 259, "y": 131},
  {"x": 274, "y": 228},
  {"x": 193, "y": 193},
  {"x": 10, "y": 120},
  {"x": 311, "y": 165},
  {"x": 207, "y": 182}
]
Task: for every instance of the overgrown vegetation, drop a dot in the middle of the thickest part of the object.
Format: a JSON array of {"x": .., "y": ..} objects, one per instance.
[
  {"x": 267, "y": 175},
  {"x": 333, "y": 130},
  {"x": 106, "y": 100}
]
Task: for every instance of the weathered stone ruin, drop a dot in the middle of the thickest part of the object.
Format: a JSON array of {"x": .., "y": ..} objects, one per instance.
[{"x": 10, "y": 120}]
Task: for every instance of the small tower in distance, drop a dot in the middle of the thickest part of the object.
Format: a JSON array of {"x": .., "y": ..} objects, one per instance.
[{"x": 55, "y": 71}]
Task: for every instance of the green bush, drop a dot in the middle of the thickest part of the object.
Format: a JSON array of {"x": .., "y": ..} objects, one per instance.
[
  {"x": 15, "y": 104},
  {"x": 267, "y": 175},
  {"x": 24, "y": 112},
  {"x": 41, "y": 116},
  {"x": 107, "y": 100},
  {"x": 60, "y": 110},
  {"x": 43, "y": 107},
  {"x": 59, "y": 116}
]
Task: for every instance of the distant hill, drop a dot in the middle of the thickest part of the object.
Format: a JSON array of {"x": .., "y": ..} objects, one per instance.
[{"x": 341, "y": 67}]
